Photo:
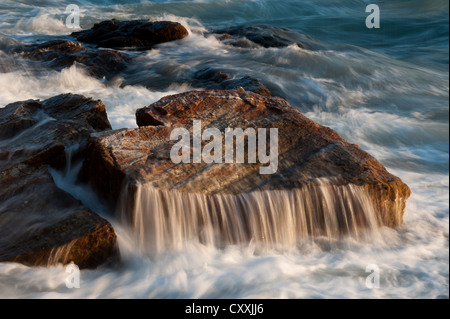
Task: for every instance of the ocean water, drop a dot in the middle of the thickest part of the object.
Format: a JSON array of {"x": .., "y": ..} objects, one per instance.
[{"x": 385, "y": 89}]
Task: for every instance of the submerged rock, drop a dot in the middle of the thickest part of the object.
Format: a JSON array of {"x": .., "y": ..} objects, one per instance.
[
  {"x": 39, "y": 223},
  {"x": 326, "y": 183},
  {"x": 140, "y": 34},
  {"x": 61, "y": 54},
  {"x": 251, "y": 36}
]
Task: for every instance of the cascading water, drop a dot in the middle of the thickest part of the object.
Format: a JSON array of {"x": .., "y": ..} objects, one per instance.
[{"x": 277, "y": 219}]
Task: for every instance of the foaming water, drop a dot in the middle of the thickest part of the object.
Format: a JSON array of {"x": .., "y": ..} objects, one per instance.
[
  {"x": 121, "y": 101},
  {"x": 278, "y": 219}
]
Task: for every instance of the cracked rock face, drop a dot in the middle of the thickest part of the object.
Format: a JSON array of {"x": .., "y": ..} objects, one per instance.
[
  {"x": 308, "y": 153},
  {"x": 41, "y": 224}
]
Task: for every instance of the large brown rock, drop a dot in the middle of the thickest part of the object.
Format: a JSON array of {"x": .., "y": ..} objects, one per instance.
[
  {"x": 309, "y": 154},
  {"x": 138, "y": 34},
  {"x": 39, "y": 223}
]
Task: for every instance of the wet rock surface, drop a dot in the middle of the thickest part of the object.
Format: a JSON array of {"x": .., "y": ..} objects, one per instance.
[
  {"x": 308, "y": 153},
  {"x": 136, "y": 34},
  {"x": 218, "y": 80},
  {"x": 39, "y": 223}
]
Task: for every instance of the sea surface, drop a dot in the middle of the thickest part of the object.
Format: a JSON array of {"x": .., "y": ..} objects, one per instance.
[{"x": 384, "y": 89}]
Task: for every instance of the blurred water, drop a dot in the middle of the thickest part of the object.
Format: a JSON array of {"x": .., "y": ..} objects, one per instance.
[{"x": 385, "y": 89}]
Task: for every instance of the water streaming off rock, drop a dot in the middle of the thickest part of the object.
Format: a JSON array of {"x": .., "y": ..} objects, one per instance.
[
  {"x": 60, "y": 254},
  {"x": 278, "y": 219}
]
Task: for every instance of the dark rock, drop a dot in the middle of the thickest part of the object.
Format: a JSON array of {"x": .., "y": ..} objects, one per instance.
[
  {"x": 308, "y": 154},
  {"x": 138, "y": 34},
  {"x": 60, "y": 54},
  {"x": 39, "y": 223},
  {"x": 211, "y": 75}
]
